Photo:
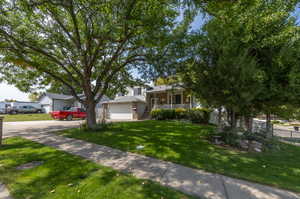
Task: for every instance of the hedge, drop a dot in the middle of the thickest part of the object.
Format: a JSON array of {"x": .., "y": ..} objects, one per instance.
[{"x": 195, "y": 115}]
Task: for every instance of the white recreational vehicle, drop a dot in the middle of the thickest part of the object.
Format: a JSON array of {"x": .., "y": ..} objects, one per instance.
[
  {"x": 4, "y": 106},
  {"x": 20, "y": 103}
]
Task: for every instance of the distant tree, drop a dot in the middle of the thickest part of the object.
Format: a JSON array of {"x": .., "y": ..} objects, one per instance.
[
  {"x": 89, "y": 46},
  {"x": 167, "y": 80},
  {"x": 34, "y": 97},
  {"x": 10, "y": 100}
]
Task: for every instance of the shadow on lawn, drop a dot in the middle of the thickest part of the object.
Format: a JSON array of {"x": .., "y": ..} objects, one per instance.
[
  {"x": 184, "y": 143},
  {"x": 67, "y": 176}
]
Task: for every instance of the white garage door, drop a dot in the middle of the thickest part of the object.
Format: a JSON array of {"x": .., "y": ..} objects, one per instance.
[{"x": 120, "y": 111}]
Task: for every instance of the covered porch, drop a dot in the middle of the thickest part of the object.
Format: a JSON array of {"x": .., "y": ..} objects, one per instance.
[{"x": 170, "y": 99}]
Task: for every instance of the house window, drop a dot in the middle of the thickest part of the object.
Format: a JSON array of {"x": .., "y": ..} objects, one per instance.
[
  {"x": 177, "y": 99},
  {"x": 137, "y": 91}
]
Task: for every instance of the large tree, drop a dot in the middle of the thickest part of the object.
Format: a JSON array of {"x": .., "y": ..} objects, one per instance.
[
  {"x": 239, "y": 60},
  {"x": 86, "y": 45}
]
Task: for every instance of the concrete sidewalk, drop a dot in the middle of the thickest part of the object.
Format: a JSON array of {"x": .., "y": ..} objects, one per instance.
[
  {"x": 4, "y": 194},
  {"x": 191, "y": 181}
]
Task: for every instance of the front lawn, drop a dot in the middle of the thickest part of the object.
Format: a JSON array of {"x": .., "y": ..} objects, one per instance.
[
  {"x": 27, "y": 117},
  {"x": 64, "y": 176},
  {"x": 184, "y": 143}
]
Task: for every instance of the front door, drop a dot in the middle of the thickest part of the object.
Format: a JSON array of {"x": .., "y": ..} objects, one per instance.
[{"x": 178, "y": 99}]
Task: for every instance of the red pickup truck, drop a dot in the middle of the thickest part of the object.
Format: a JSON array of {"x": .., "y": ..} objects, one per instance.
[{"x": 74, "y": 112}]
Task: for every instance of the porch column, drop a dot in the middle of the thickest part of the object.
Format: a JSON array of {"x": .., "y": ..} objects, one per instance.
[
  {"x": 171, "y": 100},
  {"x": 155, "y": 101},
  {"x": 1, "y": 129},
  {"x": 182, "y": 102},
  {"x": 168, "y": 98}
]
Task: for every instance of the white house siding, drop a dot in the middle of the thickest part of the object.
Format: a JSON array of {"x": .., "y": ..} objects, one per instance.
[
  {"x": 47, "y": 108},
  {"x": 46, "y": 100},
  {"x": 141, "y": 109},
  {"x": 46, "y": 103}
]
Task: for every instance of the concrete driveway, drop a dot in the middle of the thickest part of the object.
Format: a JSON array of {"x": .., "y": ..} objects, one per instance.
[{"x": 14, "y": 128}]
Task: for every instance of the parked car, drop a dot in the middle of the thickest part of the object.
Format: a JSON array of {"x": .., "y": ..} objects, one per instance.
[
  {"x": 70, "y": 114},
  {"x": 24, "y": 109}
]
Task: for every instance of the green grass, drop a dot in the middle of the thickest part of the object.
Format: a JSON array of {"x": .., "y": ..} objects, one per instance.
[
  {"x": 185, "y": 144},
  {"x": 27, "y": 117},
  {"x": 64, "y": 176}
]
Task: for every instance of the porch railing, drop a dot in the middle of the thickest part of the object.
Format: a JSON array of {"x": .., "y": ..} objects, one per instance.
[{"x": 173, "y": 106}]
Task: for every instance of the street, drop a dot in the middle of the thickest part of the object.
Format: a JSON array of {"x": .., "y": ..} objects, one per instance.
[{"x": 14, "y": 128}]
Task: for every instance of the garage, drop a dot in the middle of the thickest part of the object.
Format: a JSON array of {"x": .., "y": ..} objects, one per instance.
[
  {"x": 124, "y": 108},
  {"x": 120, "y": 111}
]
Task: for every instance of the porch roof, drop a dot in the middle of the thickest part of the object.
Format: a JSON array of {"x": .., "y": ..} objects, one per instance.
[
  {"x": 125, "y": 99},
  {"x": 162, "y": 88}
]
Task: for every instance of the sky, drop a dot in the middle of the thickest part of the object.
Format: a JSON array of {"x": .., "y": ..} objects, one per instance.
[{"x": 11, "y": 92}]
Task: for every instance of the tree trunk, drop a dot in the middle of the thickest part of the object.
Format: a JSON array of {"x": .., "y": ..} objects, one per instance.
[
  {"x": 232, "y": 119},
  {"x": 241, "y": 122},
  {"x": 249, "y": 124},
  {"x": 220, "y": 119},
  {"x": 268, "y": 125},
  {"x": 91, "y": 114},
  {"x": 228, "y": 116}
]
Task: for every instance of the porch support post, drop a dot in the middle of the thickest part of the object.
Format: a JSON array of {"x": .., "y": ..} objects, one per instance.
[
  {"x": 1, "y": 129},
  {"x": 168, "y": 98},
  {"x": 155, "y": 101},
  {"x": 171, "y": 100},
  {"x": 182, "y": 102}
]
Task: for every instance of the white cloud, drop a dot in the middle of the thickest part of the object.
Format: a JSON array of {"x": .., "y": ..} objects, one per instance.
[{"x": 11, "y": 92}]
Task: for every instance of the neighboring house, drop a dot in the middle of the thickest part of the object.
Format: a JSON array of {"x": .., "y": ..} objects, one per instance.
[
  {"x": 169, "y": 97},
  {"x": 126, "y": 106},
  {"x": 55, "y": 102}
]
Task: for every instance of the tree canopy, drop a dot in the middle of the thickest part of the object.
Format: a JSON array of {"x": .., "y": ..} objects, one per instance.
[
  {"x": 245, "y": 56},
  {"x": 89, "y": 46}
]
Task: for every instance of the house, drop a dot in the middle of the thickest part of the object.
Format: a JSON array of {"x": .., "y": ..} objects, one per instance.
[
  {"x": 130, "y": 105},
  {"x": 169, "y": 97},
  {"x": 137, "y": 102},
  {"x": 55, "y": 102}
]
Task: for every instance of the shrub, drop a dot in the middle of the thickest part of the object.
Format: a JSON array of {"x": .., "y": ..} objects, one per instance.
[
  {"x": 181, "y": 113},
  {"x": 163, "y": 114},
  {"x": 197, "y": 115},
  {"x": 156, "y": 114}
]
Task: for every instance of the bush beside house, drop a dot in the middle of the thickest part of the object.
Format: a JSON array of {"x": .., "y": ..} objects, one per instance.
[{"x": 195, "y": 115}]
